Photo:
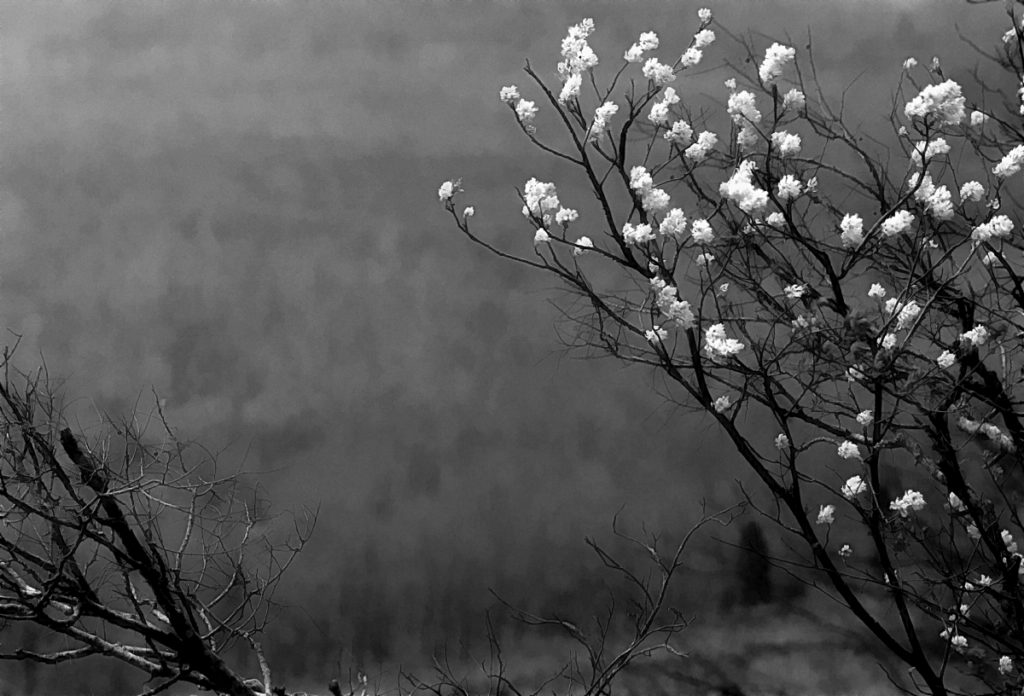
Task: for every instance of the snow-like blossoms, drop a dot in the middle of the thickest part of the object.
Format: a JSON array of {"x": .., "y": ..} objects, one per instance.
[
  {"x": 925, "y": 151},
  {"x": 905, "y": 313},
  {"x": 911, "y": 501},
  {"x": 701, "y": 232},
  {"x": 722, "y": 404},
  {"x": 789, "y": 187},
  {"x": 602, "y": 115},
  {"x": 955, "y": 504},
  {"x": 897, "y": 223},
  {"x": 972, "y": 191},
  {"x": 846, "y": 551},
  {"x": 680, "y": 134},
  {"x": 526, "y": 111},
  {"x": 704, "y": 259},
  {"x": 943, "y": 102},
  {"x": 446, "y": 192},
  {"x": 866, "y": 417},
  {"x": 852, "y": 227},
  {"x": 876, "y": 291},
  {"x": 658, "y": 72},
  {"x": 1005, "y": 665},
  {"x": 577, "y": 56},
  {"x": 656, "y": 335},
  {"x": 909, "y": 63},
  {"x": 977, "y": 336},
  {"x": 794, "y": 99},
  {"x": 888, "y": 341},
  {"x": 469, "y": 211},
  {"x": 648, "y": 41},
  {"x": 795, "y": 292},
  {"x": 666, "y": 297},
  {"x": 540, "y": 200},
  {"x": 937, "y": 200},
  {"x": 1008, "y": 541},
  {"x": 741, "y": 190},
  {"x": 781, "y": 441},
  {"x": 704, "y": 14},
  {"x": 775, "y": 59},
  {"x": 571, "y": 87},
  {"x": 718, "y": 346},
  {"x": 703, "y": 38},
  {"x": 742, "y": 107},
  {"x": 959, "y": 643},
  {"x": 698, "y": 152},
  {"x": 978, "y": 119},
  {"x": 637, "y": 234},
  {"x": 564, "y": 216},
  {"x": 853, "y": 487},
  {"x": 788, "y": 144},
  {"x": 998, "y": 227},
  {"x": 582, "y": 244},
  {"x": 691, "y": 57},
  {"x": 1011, "y": 163},
  {"x": 945, "y": 359},
  {"x": 653, "y": 200},
  {"x": 673, "y": 224},
  {"x": 509, "y": 95},
  {"x": 541, "y": 237},
  {"x": 826, "y": 514},
  {"x": 848, "y": 450},
  {"x": 660, "y": 110}
]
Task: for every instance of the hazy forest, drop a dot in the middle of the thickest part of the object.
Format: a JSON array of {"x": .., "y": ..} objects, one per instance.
[{"x": 225, "y": 215}]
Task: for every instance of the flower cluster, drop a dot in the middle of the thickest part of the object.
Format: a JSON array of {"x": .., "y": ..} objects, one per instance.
[
  {"x": 742, "y": 107},
  {"x": 653, "y": 200},
  {"x": 666, "y": 297},
  {"x": 998, "y": 227},
  {"x": 577, "y": 56},
  {"x": 660, "y": 110},
  {"x": 602, "y": 115},
  {"x": 775, "y": 59},
  {"x": 1011, "y": 163},
  {"x": 911, "y": 501},
  {"x": 718, "y": 346},
  {"x": 540, "y": 200},
  {"x": 789, "y": 187},
  {"x": 944, "y": 102},
  {"x": 673, "y": 224},
  {"x": 788, "y": 144},
  {"x": 852, "y": 227},
  {"x": 937, "y": 200},
  {"x": 648, "y": 41},
  {"x": 740, "y": 189},
  {"x": 853, "y": 487},
  {"x": 658, "y": 72},
  {"x": 897, "y": 223},
  {"x": 698, "y": 152},
  {"x": 925, "y": 151},
  {"x": 637, "y": 234}
]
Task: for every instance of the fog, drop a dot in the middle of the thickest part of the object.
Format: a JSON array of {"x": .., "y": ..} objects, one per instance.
[{"x": 232, "y": 207}]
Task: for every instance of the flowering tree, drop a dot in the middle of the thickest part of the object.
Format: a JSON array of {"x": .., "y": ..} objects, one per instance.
[
  {"x": 864, "y": 301},
  {"x": 130, "y": 548}
]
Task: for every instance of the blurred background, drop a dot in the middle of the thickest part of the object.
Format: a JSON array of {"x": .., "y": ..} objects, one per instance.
[{"x": 232, "y": 207}]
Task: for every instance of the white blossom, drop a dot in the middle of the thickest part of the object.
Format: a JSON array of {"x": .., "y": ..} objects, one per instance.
[
  {"x": 853, "y": 487},
  {"x": 637, "y": 234},
  {"x": 897, "y": 223},
  {"x": 925, "y": 151},
  {"x": 943, "y": 101},
  {"x": 577, "y": 56},
  {"x": 946, "y": 359},
  {"x": 972, "y": 191},
  {"x": 701, "y": 232},
  {"x": 658, "y": 72},
  {"x": 741, "y": 190},
  {"x": 852, "y": 227},
  {"x": 680, "y": 134},
  {"x": 795, "y": 292},
  {"x": 656, "y": 335},
  {"x": 718, "y": 346},
  {"x": 447, "y": 191},
  {"x": 1011, "y": 163},
  {"x": 582, "y": 244},
  {"x": 660, "y": 110},
  {"x": 888, "y": 341},
  {"x": 509, "y": 95},
  {"x": 698, "y": 152},
  {"x": 704, "y": 14},
  {"x": 911, "y": 501},
  {"x": 794, "y": 99},
  {"x": 703, "y": 38},
  {"x": 541, "y": 237},
  {"x": 775, "y": 59},
  {"x": 722, "y": 404},
  {"x": 571, "y": 87},
  {"x": 876, "y": 291},
  {"x": 788, "y": 144},
  {"x": 1005, "y": 664},
  {"x": 955, "y": 504},
  {"x": 976, "y": 336},
  {"x": 691, "y": 57},
  {"x": 999, "y": 227},
  {"x": 978, "y": 119},
  {"x": 602, "y": 115},
  {"x": 781, "y": 441},
  {"x": 668, "y": 302},
  {"x": 826, "y": 514},
  {"x": 846, "y": 551},
  {"x": 789, "y": 187},
  {"x": 848, "y": 450}
]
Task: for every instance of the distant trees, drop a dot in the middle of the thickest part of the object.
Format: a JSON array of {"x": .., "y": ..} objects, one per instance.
[
  {"x": 847, "y": 306},
  {"x": 131, "y": 546}
]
